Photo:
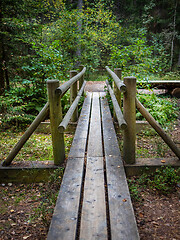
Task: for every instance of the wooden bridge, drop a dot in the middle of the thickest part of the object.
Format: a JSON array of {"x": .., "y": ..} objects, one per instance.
[{"x": 94, "y": 200}]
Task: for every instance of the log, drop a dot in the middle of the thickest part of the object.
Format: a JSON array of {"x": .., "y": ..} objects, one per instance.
[
  {"x": 73, "y": 95},
  {"x": 55, "y": 119},
  {"x": 119, "y": 115},
  {"x": 129, "y": 111},
  {"x": 120, "y": 85},
  {"x": 63, "y": 125},
  {"x": 158, "y": 128},
  {"x": 64, "y": 87},
  {"x": 40, "y": 117}
]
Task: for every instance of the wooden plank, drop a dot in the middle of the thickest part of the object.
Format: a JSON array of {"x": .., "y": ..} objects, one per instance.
[
  {"x": 95, "y": 137},
  {"x": 110, "y": 140},
  {"x": 80, "y": 139},
  {"x": 64, "y": 221},
  {"x": 93, "y": 219},
  {"x": 65, "y": 218},
  {"x": 122, "y": 219}
]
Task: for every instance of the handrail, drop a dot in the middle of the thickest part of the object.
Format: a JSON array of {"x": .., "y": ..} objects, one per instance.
[
  {"x": 119, "y": 115},
  {"x": 63, "y": 125},
  {"x": 65, "y": 86},
  {"x": 40, "y": 117},
  {"x": 120, "y": 85},
  {"x": 158, "y": 128}
]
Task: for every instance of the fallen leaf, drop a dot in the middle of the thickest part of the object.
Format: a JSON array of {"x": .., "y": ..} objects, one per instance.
[
  {"x": 163, "y": 161},
  {"x": 124, "y": 200}
]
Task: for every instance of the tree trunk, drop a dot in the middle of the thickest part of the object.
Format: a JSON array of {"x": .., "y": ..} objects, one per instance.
[
  {"x": 79, "y": 25},
  {"x": 2, "y": 80},
  {"x": 173, "y": 36}
]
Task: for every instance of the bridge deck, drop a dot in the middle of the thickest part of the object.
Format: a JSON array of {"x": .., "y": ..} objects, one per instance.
[{"x": 94, "y": 200}]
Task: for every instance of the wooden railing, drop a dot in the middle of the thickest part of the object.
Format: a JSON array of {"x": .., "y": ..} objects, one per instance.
[
  {"x": 55, "y": 93},
  {"x": 58, "y": 124},
  {"x": 128, "y": 88},
  {"x": 127, "y": 121}
]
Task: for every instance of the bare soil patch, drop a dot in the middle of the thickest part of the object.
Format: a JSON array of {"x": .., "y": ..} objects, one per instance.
[
  {"x": 92, "y": 86},
  {"x": 158, "y": 216}
]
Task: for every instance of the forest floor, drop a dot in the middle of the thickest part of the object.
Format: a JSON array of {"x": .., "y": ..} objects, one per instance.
[{"x": 26, "y": 209}]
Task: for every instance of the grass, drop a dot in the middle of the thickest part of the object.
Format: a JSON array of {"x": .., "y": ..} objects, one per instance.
[
  {"x": 163, "y": 181},
  {"x": 97, "y": 76},
  {"x": 38, "y": 147}
]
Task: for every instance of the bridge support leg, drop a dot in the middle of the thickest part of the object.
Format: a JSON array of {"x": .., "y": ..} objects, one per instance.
[
  {"x": 117, "y": 92},
  {"x": 55, "y": 119},
  {"x": 73, "y": 95},
  {"x": 129, "y": 107}
]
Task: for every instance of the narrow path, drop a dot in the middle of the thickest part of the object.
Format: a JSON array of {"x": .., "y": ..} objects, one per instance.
[{"x": 94, "y": 200}]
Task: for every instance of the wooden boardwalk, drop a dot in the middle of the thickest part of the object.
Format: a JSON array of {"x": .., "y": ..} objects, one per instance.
[{"x": 94, "y": 200}]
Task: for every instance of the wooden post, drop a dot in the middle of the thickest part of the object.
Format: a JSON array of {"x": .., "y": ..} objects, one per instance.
[
  {"x": 81, "y": 80},
  {"x": 55, "y": 119},
  {"x": 129, "y": 108},
  {"x": 117, "y": 92},
  {"x": 73, "y": 95}
]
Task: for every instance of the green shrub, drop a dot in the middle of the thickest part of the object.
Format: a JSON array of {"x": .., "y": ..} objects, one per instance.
[{"x": 164, "y": 110}]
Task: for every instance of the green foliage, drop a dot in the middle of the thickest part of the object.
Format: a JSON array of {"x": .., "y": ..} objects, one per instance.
[
  {"x": 134, "y": 189},
  {"x": 19, "y": 105},
  {"x": 164, "y": 181},
  {"x": 164, "y": 110}
]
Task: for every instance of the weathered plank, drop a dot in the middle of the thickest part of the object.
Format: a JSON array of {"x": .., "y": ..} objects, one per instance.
[
  {"x": 95, "y": 137},
  {"x": 93, "y": 219},
  {"x": 122, "y": 220},
  {"x": 80, "y": 139},
  {"x": 65, "y": 218},
  {"x": 110, "y": 140},
  {"x": 64, "y": 221}
]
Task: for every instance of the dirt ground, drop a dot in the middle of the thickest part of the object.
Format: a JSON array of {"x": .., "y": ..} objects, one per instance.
[
  {"x": 24, "y": 215},
  {"x": 25, "y": 212}
]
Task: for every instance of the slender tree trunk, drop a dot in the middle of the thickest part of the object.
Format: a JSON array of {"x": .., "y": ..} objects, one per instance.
[
  {"x": 173, "y": 36},
  {"x": 179, "y": 60},
  {"x": 79, "y": 25},
  {"x": 5, "y": 69},
  {"x": 2, "y": 80}
]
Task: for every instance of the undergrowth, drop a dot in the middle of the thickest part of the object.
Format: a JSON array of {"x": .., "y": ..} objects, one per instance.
[{"x": 163, "y": 181}]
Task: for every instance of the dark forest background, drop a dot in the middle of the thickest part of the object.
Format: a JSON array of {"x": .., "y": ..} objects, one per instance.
[{"x": 42, "y": 40}]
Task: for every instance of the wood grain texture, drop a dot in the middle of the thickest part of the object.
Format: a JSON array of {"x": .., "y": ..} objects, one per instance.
[
  {"x": 64, "y": 221},
  {"x": 93, "y": 219},
  {"x": 80, "y": 139},
  {"x": 122, "y": 220},
  {"x": 95, "y": 137}
]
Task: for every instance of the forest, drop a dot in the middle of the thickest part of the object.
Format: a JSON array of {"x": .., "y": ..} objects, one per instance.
[
  {"x": 41, "y": 40},
  {"x": 44, "y": 40}
]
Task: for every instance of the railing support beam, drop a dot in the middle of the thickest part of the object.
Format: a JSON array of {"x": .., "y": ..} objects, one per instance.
[
  {"x": 55, "y": 119},
  {"x": 117, "y": 92},
  {"x": 81, "y": 80},
  {"x": 73, "y": 95},
  {"x": 129, "y": 107}
]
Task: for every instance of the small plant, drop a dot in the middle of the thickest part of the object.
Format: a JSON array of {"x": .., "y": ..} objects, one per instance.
[
  {"x": 164, "y": 180},
  {"x": 162, "y": 109},
  {"x": 134, "y": 189}
]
